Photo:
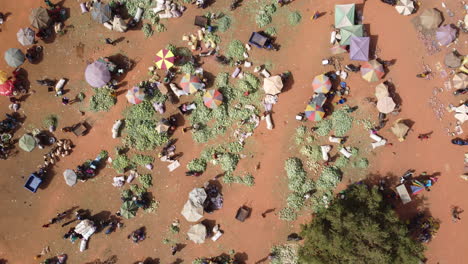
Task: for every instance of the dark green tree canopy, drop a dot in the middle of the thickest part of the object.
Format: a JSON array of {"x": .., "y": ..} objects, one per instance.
[{"x": 361, "y": 228}]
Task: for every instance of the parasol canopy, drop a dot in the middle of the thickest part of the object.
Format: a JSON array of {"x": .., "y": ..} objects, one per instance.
[
  {"x": 101, "y": 13},
  {"x": 359, "y": 48},
  {"x": 192, "y": 211},
  {"x": 416, "y": 187},
  {"x": 128, "y": 209},
  {"x": 212, "y": 98},
  {"x": 386, "y": 105},
  {"x": 14, "y": 57},
  {"x": 314, "y": 112},
  {"x": 25, "y": 36},
  {"x": 321, "y": 84},
  {"x": 39, "y": 18},
  {"x": 372, "y": 71},
  {"x": 27, "y": 143},
  {"x": 119, "y": 25},
  {"x": 460, "y": 81},
  {"x": 273, "y": 85},
  {"x": 430, "y": 18},
  {"x": 135, "y": 95},
  {"x": 70, "y": 177},
  {"x": 97, "y": 74},
  {"x": 446, "y": 34},
  {"x": 7, "y": 88},
  {"x": 197, "y": 233},
  {"x": 452, "y": 60},
  {"x": 405, "y": 7},
  {"x": 163, "y": 126},
  {"x": 348, "y": 32},
  {"x": 399, "y": 129},
  {"x": 164, "y": 59},
  {"x": 338, "y": 49},
  {"x": 381, "y": 91},
  {"x": 191, "y": 83},
  {"x": 462, "y": 117},
  {"x": 344, "y": 15}
]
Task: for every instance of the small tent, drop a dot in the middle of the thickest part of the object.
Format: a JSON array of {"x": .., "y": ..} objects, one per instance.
[
  {"x": 344, "y": 15},
  {"x": 348, "y": 32}
]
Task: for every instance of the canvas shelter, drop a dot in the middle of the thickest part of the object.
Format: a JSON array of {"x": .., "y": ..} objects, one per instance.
[
  {"x": 349, "y": 31},
  {"x": 273, "y": 85},
  {"x": 430, "y": 18},
  {"x": 446, "y": 34},
  {"x": 359, "y": 48},
  {"x": 344, "y": 15},
  {"x": 192, "y": 212},
  {"x": 399, "y": 129},
  {"x": 405, "y": 7},
  {"x": 386, "y": 105},
  {"x": 197, "y": 233}
]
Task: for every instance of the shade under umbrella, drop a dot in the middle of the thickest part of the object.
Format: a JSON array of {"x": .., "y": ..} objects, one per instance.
[
  {"x": 321, "y": 84},
  {"x": 26, "y": 36},
  {"x": 192, "y": 212},
  {"x": 273, "y": 85},
  {"x": 314, "y": 112},
  {"x": 97, "y": 74},
  {"x": 14, "y": 57},
  {"x": 3, "y": 77},
  {"x": 70, "y": 177},
  {"x": 128, "y": 209},
  {"x": 359, "y": 48},
  {"x": 430, "y": 18},
  {"x": 197, "y": 233},
  {"x": 191, "y": 83},
  {"x": 101, "y": 13},
  {"x": 460, "y": 81},
  {"x": 27, "y": 143},
  {"x": 452, "y": 60},
  {"x": 372, "y": 71},
  {"x": 446, "y": 34},
  {"x": 348, "y": 32},
  {"x": 399, "y": 129},
  {"x": 7, "y": 88},
  {"x": 119, "y": 25},
  {"x": 381, "y": 91},
  {"x": 344, "y": 15},
  {"x": 163, "y": 126},
  {"x": 135, "y": 95},
  {"x": 164, "y": 59},
  {"x": 338, "y": 49},
  {"x": 386, "y": 105},
  {"x": 39, "y": 18},
  {"x": 212, "y": 98},
  {"x": 405, "y": 7}
]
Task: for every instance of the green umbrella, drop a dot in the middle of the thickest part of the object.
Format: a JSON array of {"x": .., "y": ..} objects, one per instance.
[
  {"x": 344, "y": 15},
  {"x": 348, "y": 32},
  {"x": 27, "y": 143},
  {"x": 128, "y": 209}
]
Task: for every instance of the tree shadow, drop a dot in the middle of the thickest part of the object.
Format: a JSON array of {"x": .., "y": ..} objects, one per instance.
[
  {"x": 99, "y": 219},
  {"x": 149, "y": 260},
  {"x": 48, "y": 177},
  {"x": 241, "y": 258},
  {"x": 3, "y": 261},
  {"x": 111, "y": 260},
  {"x": 178, "y": 261},
  {"x": 209, "y": 79},
  {"x": 289, "y": 83},
  {"x": 392, "y": 91}
]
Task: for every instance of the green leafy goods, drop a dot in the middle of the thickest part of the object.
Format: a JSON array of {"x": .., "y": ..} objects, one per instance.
[
  {"x": 236, "y": 50},
  {"x": 285, "y": 254},
  {"x": 126, "y": 194},
  {"x": 361, "y": 163},
  {"x": 198, "y": 165},
  {"x": 146, "y": 180},
  {"x": 248, "y": 180},
  {"x": 188, "y": 68},
  {"x": 329, "y": 178},
  {"x": 341, "y": 162},
  {"x": 264, "y": 15},
  {"x": 171, "y": 48},
  {"x": 313, "y": 153},
  {"x": 147, "y": 30},
  {"x": 288, "y": 214},
  {"x": 224, "y": 23},
  {"x": 152, "y": 207},
  {"x": 361, "y": 226},
  {"x": 102, "y": 100},
  {"x": 103, "y": 154},
  {"x": 342, "y": 122},
  {"x": 324, "y": 127},
  {"x": 142, "y": 160},
  {"x": 160, "y": 28},
  {"x": 137, "y": 190},
  {"x": 271, "y": 31},
  {"x": 295, "y": 201},
  {"x": 228, "y": 161},
  {"x": 50, "y": 121},
  {"x": 222, "y": 79},
  {"x": 294, "y": 18},
  {"x": 121, "y": 163}
]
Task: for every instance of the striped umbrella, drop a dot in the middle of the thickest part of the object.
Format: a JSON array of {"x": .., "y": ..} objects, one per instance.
[
  {"x": 135, "y": 95},
  {"x": 212, "y": 98},
  {"x": 6, "y": 88},
  {"x": 3, "y": 77},
  {"x": 191, "y": 83},
  {"x": 164, "y": 59},
  {"x": 372, "y": 71},
  {"x": 321, "y": 84},
  {"x": 314, "y": 112}
]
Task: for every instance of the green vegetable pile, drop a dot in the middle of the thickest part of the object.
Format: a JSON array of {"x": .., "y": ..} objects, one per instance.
[{"x": 102, "y": 100}]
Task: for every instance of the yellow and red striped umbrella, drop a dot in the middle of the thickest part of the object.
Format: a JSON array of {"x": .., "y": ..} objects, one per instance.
[
  {"x": 212, "y": 98},
  {"x": 314, "y": 112},
  {"x": 164, "y": 59}
]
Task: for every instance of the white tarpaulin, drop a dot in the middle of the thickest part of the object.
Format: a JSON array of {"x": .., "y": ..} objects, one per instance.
[{"x": 85, "y": 228}]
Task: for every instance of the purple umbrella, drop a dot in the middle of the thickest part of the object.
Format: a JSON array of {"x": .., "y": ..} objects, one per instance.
[
  {"x": 359, "y": 48},
  {"x": 97, "y": 74},
  {"x": 446, "y": 34}
]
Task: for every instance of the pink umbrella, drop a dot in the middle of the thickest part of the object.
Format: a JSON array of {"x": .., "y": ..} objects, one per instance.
[{"x": 446, "y": 34}]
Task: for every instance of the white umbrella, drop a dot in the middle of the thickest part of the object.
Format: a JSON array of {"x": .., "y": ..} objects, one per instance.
[
  {"x": 405, "y": 7},
  {"x": 381, "y": 91},
  {"x": 197, "y": 233},
  {"x": 462, "y": 117},
  {"x": 198, "y": 196},
  {"x": 119, "y": 25},
  {"x": 461, "y": 109},
  {"x": 192, "y": 212},
  {"x": 70, "y": 177},
  {"x": 26, "y": 36},
  {"x": 273, "y": 85},
  {"x": 386, "y": 105}
]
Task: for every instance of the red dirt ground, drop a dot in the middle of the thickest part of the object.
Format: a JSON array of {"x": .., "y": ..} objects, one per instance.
[{"x": 302, "y": 49}]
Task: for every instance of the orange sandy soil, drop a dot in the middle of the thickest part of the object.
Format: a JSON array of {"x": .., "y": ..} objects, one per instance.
[{"x": 302, "y": 49}]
